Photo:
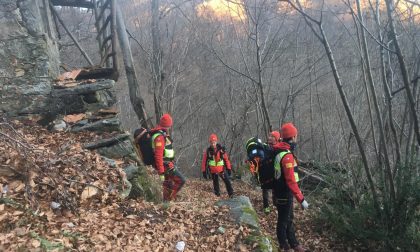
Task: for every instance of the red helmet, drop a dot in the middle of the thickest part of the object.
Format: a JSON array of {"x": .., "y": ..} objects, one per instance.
[
  {"x": 288, "y": 130},
  {"x": 213, "y": 138},
  {"x": 165, "y": 121},
  {"x": 276, "y": 135}
]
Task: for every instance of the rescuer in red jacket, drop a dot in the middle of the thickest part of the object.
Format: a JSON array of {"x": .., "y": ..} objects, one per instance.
[
  {"x": 273, "y": 138},
  {"x": 216, "y": 159},
  {"x": 285, "y": 187},
  {"x": 164, "y": 155}
]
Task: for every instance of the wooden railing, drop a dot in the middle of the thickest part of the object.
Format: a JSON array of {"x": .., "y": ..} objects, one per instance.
[
  {"x": 105, "y": 12},
  {"x": 105, "y": 23}
]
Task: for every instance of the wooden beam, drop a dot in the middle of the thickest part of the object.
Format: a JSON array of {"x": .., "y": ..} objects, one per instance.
[
  {"x": 108, "y": 19},
  {"x": 104, "y": 43},
  {"x": 114, "y": 38},
  {"x": 73, "y": 3},
  {"x": 70, "y": 34},
  {"x": 102, "y": 10}
]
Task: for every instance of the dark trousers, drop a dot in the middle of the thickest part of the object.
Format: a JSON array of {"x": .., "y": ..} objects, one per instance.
[
  {"x": 174, "y": 181},
  {"x": 265, "y": 196},
  {"x": 285, "y": 228},
  {"x": 216, "y": 187}
]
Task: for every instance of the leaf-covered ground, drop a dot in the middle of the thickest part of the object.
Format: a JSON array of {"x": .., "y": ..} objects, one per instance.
[{"x": 41, "y": 170}]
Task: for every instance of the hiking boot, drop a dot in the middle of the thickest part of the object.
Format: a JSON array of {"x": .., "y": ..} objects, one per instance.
[
  {"x": 267, "y": 210},
  {"x": 299, "y": 248}
]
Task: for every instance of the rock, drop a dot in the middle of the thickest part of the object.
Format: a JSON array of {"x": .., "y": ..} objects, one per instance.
[
  {"x": 83, "y": 89},
  {"x": 106, "y": 125},
  {"x": 110, "y": 162},
  {"x": 107, "y": 142},
  {"x": 125, "y": 192},
  {"x": 242, "y": 211},
  {"x": 244, "y": 214},
  {"x": 81, "y": 123},
  {"x": 131, "y": 171},
  {"x": 70, "y": 225},
  {"x": 55, "y": 205},
  {"x": 33, "y": 57},
  {"x": 264, "y": 244},
  {"x": 221, "y": 230},
  {"x": 119, "y": 150},
  {"x": 58, "y": 125},
  {"x": 146, "y": 187}
]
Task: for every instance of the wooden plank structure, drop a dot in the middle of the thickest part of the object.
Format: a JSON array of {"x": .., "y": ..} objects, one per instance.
[{"x": 105, "y": 23}]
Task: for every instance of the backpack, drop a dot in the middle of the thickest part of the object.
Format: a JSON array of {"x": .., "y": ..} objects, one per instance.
[
  {"x": 143, "y": 143},
  {"x": 210, "y": 152},
  {"x": 256, "y": 148}
]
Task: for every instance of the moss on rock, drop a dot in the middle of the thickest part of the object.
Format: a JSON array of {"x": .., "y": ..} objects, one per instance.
[
  {"x": 144, "y": 186},
  {"x": 264, "y": 244}
]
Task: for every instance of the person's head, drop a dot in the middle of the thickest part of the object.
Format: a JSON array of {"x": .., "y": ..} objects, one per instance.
[
  {"x": 273, "y": 137},
  {"x": 289, "y": 133},
  {"x": 213, "y": 140},
  {"x": 165, "y": 121}
]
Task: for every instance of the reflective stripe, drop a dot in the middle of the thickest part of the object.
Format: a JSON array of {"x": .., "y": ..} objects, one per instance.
[
  {"x": 213, "y": 163},
  {"x": 154, "y": 137},
  {"x": 277, "y": 165},
  {"x": 168, "y": 153},
  {"x": 296, "y": 176}
]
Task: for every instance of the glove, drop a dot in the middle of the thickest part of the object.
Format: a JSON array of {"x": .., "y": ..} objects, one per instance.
[
  {"x": 162, "y": 177},
  {"x": 304, "y": 204},
  {"x": 229, "y": 172}
]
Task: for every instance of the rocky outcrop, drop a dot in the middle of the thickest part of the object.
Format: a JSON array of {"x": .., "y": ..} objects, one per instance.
[
  {"x": 29, "y": 86},
  {"x": 29, "y": 56}
]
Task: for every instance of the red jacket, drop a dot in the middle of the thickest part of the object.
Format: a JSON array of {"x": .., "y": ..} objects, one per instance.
[
  {"x": 159, "y": 143},
  {"x": 288, "y": 164},
  {"x": 216, "y": 155}
]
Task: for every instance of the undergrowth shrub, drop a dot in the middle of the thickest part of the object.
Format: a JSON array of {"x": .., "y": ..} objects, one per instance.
[{"x": 347, "y": 207}]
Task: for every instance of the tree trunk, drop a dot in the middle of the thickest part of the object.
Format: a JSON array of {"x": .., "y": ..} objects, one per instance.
[
  {"x": 387, "y": 90},
  {"x": 350, "y": 117},
  {"x": 376, "y": 104},
  {"x": 133, "y": 84},
  {"x": 404, "y": 72},
  {"x": 156, "y": 60}
]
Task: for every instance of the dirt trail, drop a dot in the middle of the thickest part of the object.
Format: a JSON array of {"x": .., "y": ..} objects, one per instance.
[{"x": 57, "y": 168}]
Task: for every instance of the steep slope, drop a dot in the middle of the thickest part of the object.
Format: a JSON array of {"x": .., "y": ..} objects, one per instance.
[{"x": 56, "y": 195}]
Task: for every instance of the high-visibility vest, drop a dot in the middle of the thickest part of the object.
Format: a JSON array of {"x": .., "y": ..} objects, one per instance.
[
  {"x": 277, "y": 165},
  {"x": 212, "y": 162},
  {"x": 168, "y": 153}
]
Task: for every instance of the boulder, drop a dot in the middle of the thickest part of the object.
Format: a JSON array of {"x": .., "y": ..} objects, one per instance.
[{"x": 243, "y": 213}]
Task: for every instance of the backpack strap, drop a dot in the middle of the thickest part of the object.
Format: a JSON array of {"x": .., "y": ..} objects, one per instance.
[
  {"x": 140, "y": 135},
  {"x": 156, "y": 133}
]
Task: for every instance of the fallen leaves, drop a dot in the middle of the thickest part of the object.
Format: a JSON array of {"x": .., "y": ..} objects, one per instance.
[
  {"x": 35, "y": 243},
  {"x": 74, "y": 118},
  {"x": 92, "y": 217},
  {"x": 72, "y": 75},
  {"x": 88, "y": 192}
]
